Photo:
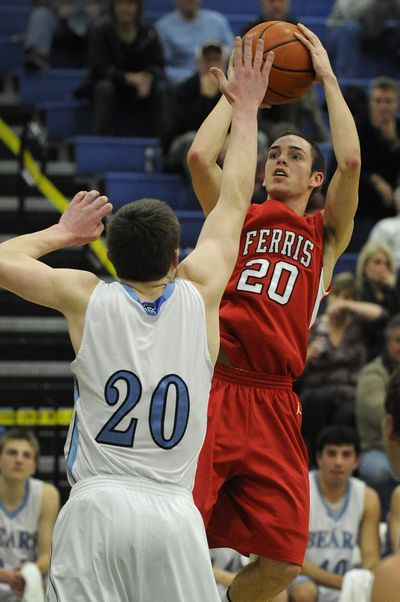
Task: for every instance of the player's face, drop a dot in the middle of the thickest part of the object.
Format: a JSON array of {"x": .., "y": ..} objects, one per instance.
[
  {"x": 337, "y": 463},
  {"x": 17, "y": 460},
  {"x": 288, "y": 168}
]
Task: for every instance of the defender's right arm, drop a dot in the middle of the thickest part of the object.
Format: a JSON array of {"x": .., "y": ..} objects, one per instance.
[{"x": 211, "y": 263}]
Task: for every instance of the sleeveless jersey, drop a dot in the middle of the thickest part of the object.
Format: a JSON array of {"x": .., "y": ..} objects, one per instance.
[
  {"x": 143, "y": 375},
  {"x": 275, "y": 290},
  {"x": 18, "y": 532},
  {"x": 332, "y": 538}
]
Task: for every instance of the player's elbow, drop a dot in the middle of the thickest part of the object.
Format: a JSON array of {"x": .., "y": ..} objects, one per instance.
[
  {"x": 351, "y": 162},
  {"x": 197, "y": 157}
]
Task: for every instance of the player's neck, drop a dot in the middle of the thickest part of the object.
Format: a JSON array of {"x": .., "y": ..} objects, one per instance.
[
  {"x": 11, "y": 493},
  {"x": 149, "y": 291},
  {"x": 333, "y": 493}
]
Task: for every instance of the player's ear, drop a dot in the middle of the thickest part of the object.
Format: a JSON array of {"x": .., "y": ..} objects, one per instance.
[{"x": 317, "y": 177}]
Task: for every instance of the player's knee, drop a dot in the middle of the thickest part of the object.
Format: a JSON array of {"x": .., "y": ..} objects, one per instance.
[
  {"x": 304, "y": 592},
  {"x": 282, "y": 573}
]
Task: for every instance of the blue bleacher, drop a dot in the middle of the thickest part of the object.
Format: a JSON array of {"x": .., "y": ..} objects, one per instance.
[
  {"x": 95, "y": 154},
  {"x": 191, "y": 224},
  {"x": 50, "y": 84},
  {"x": 124, "y": 187},
  {"x": 11, "y": 54},
  {"x": 66, "y": 118},
  {"x": 13, "y": 19}
]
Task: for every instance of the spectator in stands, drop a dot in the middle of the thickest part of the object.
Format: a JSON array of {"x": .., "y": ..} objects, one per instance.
[
  {"x": 190, "y": 103},
  {"x": 379, "y": 133},
  {"x": 387, "y": 231},
  {"x": 387, "y": 576},
  {"x": 370, "y": 399},
  {"x": 67, "y": 20},
  {"x": 336, "y": 354},
  {"x": 302, "y": 115},
  {"x": 126, "y": 70},
  {"x": 183, "y": 30},
  {"x": 28, "y": 510},
  {"x": 344, "y": 513},
  {"x": 363, "y": 27},
  {"x": 376, "y": 279}
]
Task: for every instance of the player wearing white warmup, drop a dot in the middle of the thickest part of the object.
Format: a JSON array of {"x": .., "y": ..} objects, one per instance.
[
  {"x": 344, "y": 513},
  {"x": 145, "y": 347},
  {"x": 28, "y": 510}
]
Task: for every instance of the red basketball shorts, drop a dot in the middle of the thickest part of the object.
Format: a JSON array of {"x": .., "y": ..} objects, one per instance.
[{"x": 252, "y": 484}]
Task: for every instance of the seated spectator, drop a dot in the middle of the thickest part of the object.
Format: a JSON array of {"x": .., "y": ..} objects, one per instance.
[
  {"x": 370, "y": 399},
  {"x": 362, "y": 27},
  {"x": 182, "y": 31},
  {"x": 387, "y": 231},
  {"x": 272, "y": 10},
  {"x": 376, "y": 280},
  {"x": 28, "y": 510},
  {"x": 387, "y": 576},
  {"x": 336, "y": 353},
  {"x": 302, "y": 115},
  {"x": 379, "y": 133},
  {"x": 344, "y": 513},
  {"x": 190, "y": 103},
  {"x": 68, "y": 21},
  {"x": 125, "y": 73}
]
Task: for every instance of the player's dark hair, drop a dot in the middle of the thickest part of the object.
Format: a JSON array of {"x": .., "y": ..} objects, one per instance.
[
  {"x": 338, "y": 435},
  {"x": 392, "y": 400},
  {"x": 318, "y": 161},
  {"x": 20, "y": 434},
  {"x": 142, "y": 238}
]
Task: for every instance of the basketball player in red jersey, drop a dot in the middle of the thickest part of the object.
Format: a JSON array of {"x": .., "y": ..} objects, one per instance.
[{"x": 252, "y": 481}]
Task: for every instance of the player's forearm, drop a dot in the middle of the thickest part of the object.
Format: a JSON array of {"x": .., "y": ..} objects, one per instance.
[
  {"x": 320, "y": 576},
  {"x": 37, "y": 244},
  {"x": 240, "y": 162},
  {"x": 211, "y": 135},
  {"x": 345, "y": 141}
]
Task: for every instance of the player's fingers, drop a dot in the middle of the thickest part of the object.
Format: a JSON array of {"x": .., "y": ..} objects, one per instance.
[
  {"x": 220, "y": 75},
  {"x": 100, "y": 201},
  {"x": 259, "y": 54},
  {"x": 248, "y": 51},
  {"x": 310, "y": 35},
  {"x": 91, "y": 196},
  {"x": 105, "y": 210},
  {"x": 79, "y": 196},
  {"x": 268, "y": 63},
  {"x": 237, "y": 53}
]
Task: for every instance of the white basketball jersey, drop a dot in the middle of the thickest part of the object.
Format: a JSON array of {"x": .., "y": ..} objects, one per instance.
[
  {"x": 333, "y": 537},
  {"x": 143, "y": 376},
  {"x": 18, "y": 532}
]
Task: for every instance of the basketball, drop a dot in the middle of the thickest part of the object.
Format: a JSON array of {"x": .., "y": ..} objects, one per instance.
[{"x": 292, "y": 71}]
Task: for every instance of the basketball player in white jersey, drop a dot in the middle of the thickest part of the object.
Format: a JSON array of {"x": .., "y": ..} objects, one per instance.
[
  {"x": 28, "y": 510},
  {"x": 145, "y": 348},
  {"x": 344, "y": 513}
]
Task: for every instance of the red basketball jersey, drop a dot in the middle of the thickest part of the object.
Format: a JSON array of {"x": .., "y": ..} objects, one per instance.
[{"x": 275, "y": 290}]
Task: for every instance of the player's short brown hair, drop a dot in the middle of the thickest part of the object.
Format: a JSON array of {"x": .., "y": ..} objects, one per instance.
[
  {"x": 142, "y": 238},
  {"x": 20, "y": 434}
]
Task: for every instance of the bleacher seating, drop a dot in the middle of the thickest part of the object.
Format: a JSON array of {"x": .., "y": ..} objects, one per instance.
[
  {"x": 123, "y": 187},
  {"x": 96, "y": 154},
  {"x": 11, "y": 54},
  {"x": 65, "y": 118},
  {"x": 50, "y": 84},
  {"x": 13, "y": 19}
]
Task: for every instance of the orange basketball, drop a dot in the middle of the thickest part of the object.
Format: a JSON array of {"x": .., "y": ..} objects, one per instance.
[{"x": 292, "y": 71}]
